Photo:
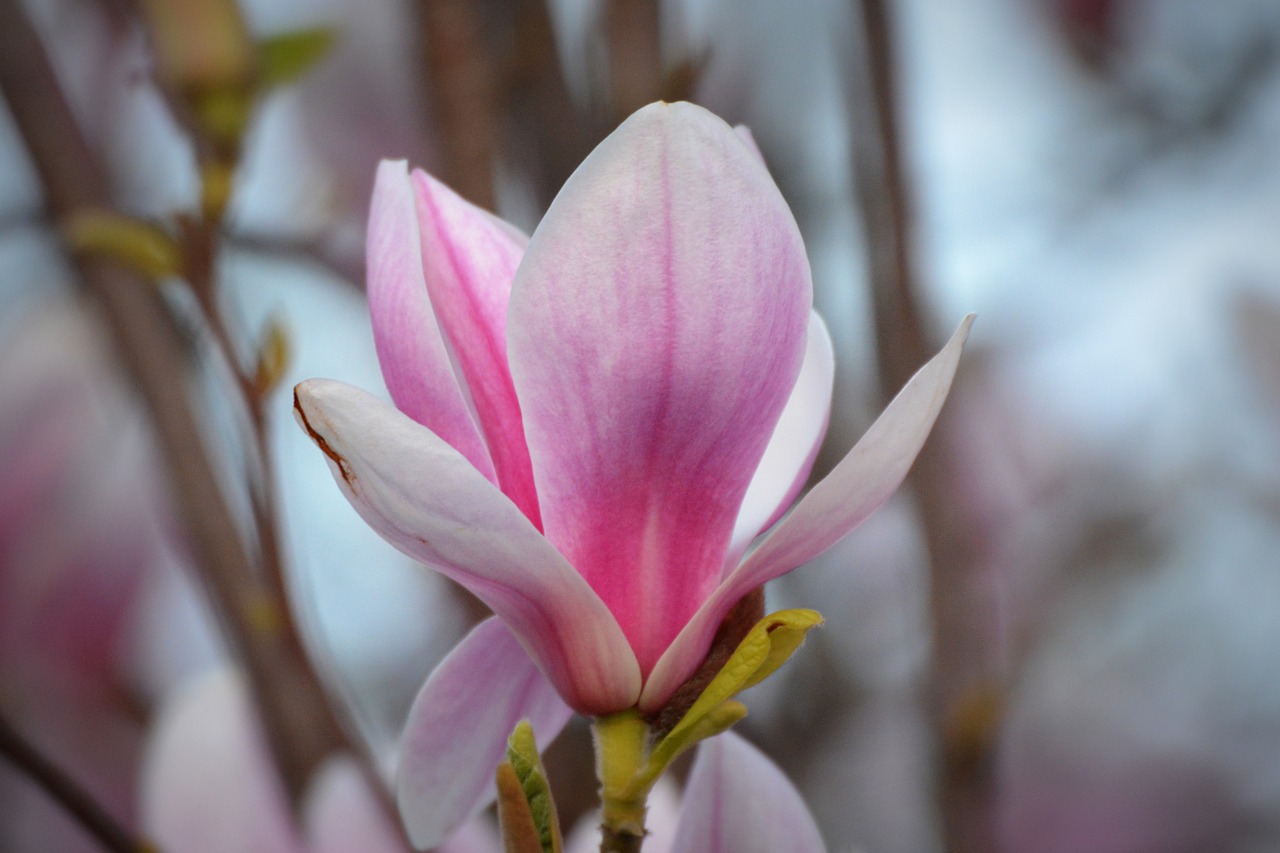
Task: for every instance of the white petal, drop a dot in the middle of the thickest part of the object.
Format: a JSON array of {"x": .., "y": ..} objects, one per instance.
[
  {"x": 738, "y": 801},
  {"x": 457, "y": 730}
]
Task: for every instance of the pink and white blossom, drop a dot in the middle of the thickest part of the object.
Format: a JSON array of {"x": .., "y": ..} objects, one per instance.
[{"x": 591, "y": 426}]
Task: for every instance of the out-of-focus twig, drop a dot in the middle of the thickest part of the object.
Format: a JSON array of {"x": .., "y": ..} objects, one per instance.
[
  {"x": 964, "y": 702},
  {"x": 315, "y": 251},
  {"x": 545, "y": 133},
  {"x": 631, "y": 31},
  {"x": 301, "y": 727},
  {"x": 63, "y": 790},
  {"x": 460, "y": 83},
  {"x": 214, "y": 76}
]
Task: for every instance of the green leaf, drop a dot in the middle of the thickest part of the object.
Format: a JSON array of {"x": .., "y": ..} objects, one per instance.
[
  {"x": 288, "y": 56},
  {"x": 766, "y": 647},
  {"x": 522, "y": 754},
  {"x": 139, "y": 245}
]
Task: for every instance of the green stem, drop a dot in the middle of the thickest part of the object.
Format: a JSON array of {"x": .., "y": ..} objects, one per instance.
[{"x": 622, "y": 759}]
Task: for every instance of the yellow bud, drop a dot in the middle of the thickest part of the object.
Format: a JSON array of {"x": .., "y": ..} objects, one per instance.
[
  {"x": 138, "y": 245},
  {"x": 263, "y": 615},
  {"x": 538, "y": 810},
  {"x": 201, "y": 45},
  {"x": 273, "y": 359}
]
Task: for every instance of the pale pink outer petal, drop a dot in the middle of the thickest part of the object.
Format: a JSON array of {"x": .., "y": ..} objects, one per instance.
[
  {"x": 457, "y": 730},
  {"x": 476, "y": 836},
  {"x": 470, "y": 258},
  {"x": 208, "y": 782},
  {"x": 863, "y": 480},
  {"x": 657, "y": 325},
  {"x": 424, "y": 498},
  {"x": 341, "y": 814},
  {"x": 416, "y": 364},
  {"x": 794, "y": 446},
  {"x": 738, "y": 801}
]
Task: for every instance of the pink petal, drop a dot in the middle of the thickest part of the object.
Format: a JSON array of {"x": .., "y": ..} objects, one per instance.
[
  {"x": 863, "y": 480},
  {"x": 423, "y": 497},
  {"x": 794, "y": 445},
  {"x": 470, "y": 258},
  {"x": 208, "y": 782},
  {"x": 748, "y": 139},
  {"x": 457, "y": 730},
  {"x": 342, "y": 814},
  {"x": 415, "y": 362},
  {"x": 477, "y": 836},
  {"x": 657, "y": 326},
  {"x": 738, "y": 801}
]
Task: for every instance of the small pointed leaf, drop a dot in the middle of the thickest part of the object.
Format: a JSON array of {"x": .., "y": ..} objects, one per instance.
[
  {"x": 522, "y": 756},
  {"x": 765, "y": 648},
  {"x": 273, "y": 357},
  {"x": 288, "y": 56},
  {"x": 139, "y": 245}
]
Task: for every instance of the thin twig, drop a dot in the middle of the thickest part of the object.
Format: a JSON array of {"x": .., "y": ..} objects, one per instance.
[
  {"x": 461, "y": 88},
  {"x": 631, "y": 30},
  {"x": 959, "y": 676},
  {"x": 312, "y": 251},
  {"x": 548, "y": 135},
  {"x": 202, "y": 240},
  {"x": 63, "y": 790},
  {"x": 301, "y": 727}
]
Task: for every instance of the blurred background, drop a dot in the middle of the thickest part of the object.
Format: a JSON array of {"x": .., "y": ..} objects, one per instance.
[{"x": 1062, "y": 635}]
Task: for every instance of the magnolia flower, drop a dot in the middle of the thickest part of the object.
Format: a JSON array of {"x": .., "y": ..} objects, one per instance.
[{"x": 592, "y": 425}]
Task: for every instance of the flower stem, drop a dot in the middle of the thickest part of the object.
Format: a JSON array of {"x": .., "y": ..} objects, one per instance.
[
  {"x": 622, "y": 752},
  {"x": 613, "y": 841}
]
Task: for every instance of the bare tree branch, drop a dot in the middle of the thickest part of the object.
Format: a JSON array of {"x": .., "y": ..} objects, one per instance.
[
  {"x": 63, "y": 790},
  {"x": 963, "y": 702},
  {"x": 301, "y": 726}
]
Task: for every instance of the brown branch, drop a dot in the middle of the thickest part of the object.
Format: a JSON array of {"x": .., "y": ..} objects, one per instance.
[
  {"x": 312, "y": 251},
  {"x": 961, "y": 700},
  {"x": 300, "y": 723},
  {"x": 546, "y": 133},
  {"x": 631, "y": 30},
  {"x": 461, "y": 89},
  {"x": 885, "y": 202},
  {"x": 63, "y": 790}
]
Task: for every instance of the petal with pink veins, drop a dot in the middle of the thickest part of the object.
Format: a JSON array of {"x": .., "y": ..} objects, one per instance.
[
  {"x": 457, "y": 730},
  {"x": 738, "y": 801},
  {"x": 657, "y": 326},
  {"x": 422, "y": 496},
  {"x": 208, "y": 782},
  {"x": 855, "y": 488},
  {"x": 470, "y": 257},
  {"x": 416, "y": 364},
  {"x": 794, "y": 446}
]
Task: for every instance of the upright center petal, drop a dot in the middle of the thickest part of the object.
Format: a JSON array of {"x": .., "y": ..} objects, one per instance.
[{"x": 657, "y": 325}]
